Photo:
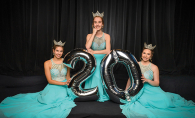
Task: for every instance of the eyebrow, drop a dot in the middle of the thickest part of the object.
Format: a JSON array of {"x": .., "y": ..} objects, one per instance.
[
  {"x": 58, "y": 50},
  {"x": 146, "y": 53}
]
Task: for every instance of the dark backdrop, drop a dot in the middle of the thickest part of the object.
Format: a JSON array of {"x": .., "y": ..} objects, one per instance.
[{"x": 28, "y": 28}]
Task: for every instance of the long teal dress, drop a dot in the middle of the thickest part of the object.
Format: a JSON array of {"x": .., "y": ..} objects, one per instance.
[
  {"x": 54, "y": 101},
  {"x": 155, "y": 103},
  {"x": 98, "y": 43}
]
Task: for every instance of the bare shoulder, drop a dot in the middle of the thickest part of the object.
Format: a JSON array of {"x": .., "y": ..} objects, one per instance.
[
  {"x": 89, "y": 35},
  {"x": 107, "y": 36},
  {"x": 154, "y": 67},
  {"x": 47, "y": 63}
]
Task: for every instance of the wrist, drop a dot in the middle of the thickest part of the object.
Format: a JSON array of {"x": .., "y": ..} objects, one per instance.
[
  {"x": 148, "y": 80},
  {"x": 94, "y": 33},
  {"x": 93, "y": 52}
]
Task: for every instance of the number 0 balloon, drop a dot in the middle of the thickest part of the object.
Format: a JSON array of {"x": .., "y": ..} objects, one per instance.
[{"x": 134, "y": 72}]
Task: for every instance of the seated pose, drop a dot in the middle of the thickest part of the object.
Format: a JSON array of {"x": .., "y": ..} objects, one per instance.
[
  {"x": 54, "y": 101},
  {"x": 98, "y": 44},
  {"x": 154, "y": 102}
]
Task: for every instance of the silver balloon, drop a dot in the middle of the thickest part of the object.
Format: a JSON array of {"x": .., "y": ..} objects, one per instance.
[
  {"x": 134, "y": 72},
  {"x": 70, "y": 59}
]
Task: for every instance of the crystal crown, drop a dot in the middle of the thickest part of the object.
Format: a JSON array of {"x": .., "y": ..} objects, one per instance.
[
  {"x": 149, "y": 46},
  {"x": 58, "y": 43},
  {"x": 98, "y": 14}
]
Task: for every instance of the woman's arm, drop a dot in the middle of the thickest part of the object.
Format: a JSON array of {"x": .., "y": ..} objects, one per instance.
[
  {"x": 128, "y": 84},
  {"x": 68, "y": 75},
  {"x": 48, "y": 75},
  {"x": 155, "y": 75},
  {"x": 89, "y": 39},
  {"x": 108, "y": 46}
]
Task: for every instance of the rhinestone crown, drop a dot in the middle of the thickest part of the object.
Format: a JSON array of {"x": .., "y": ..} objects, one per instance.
[
  {"x": 98, "y": 14},
  {"x": 58, "y": 43},
  {"x": 149, "y": 46}
]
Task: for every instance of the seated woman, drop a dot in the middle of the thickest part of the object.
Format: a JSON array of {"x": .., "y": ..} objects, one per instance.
[
  {"x": 154, "y": 102},
  {"x": 98, "y": 44},
  {"x": 55, "y": 101}
]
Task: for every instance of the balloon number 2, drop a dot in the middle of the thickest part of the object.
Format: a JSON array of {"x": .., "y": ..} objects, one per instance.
[
  {"x": 116, "y": 56},
  {"x": 70, "y": 60}
]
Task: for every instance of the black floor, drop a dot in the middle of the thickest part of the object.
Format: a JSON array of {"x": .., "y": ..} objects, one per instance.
[{"x": 95, "y": 109}]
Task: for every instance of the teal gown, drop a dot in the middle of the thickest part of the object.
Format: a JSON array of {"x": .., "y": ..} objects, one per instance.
[
  {"x": 95, "y": 79},
  {"x": 54, "y": 101},
  {"x": 155, "y": 103}
]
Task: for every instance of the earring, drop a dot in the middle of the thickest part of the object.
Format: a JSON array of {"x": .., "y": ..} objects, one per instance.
[
  {"x": 140, "y": 58},
  {"x": 150, "y": 59},
  {"x": 53, "y": 53},
  {"x": 102, "y": 26}
]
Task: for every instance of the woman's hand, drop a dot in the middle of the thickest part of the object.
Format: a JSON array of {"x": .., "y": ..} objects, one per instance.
[
  {"x": 109, "y": 52},
  {"x": 68, "y": 79},
  {"x": 67, "y": 82},
  {"x": 94, "y": 30},
  {"x": 144, "y": 79},
  {"x": 90, "y": 51}
]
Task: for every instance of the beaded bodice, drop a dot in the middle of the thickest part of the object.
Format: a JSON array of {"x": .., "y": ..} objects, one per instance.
[
  {"x": 146, "y": 71},
  {"x": 99, "y": 43},
  {"x": 58, "y": 71}
]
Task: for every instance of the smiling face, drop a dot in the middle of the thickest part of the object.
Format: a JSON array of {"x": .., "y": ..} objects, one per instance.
[
  {"x": 58, "y": 51},
  {"x": 98, "y": 23},
  {"x": 146, "y": 55}
]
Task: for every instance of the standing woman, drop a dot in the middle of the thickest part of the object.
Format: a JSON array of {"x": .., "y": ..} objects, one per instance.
[
  {"x": 98, "y": 44},
  {"x": 154, "y": 102},
  {"x": 55, "y": 101}
]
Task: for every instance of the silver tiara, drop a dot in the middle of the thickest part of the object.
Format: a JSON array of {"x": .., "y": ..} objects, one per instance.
[
  {"x": 98, "y": 14},
  {"x": 58, "y": 43},
  {"x": 149, "y": 46}
]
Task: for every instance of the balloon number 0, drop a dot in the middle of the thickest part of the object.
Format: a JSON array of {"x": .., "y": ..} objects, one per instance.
[
  {"x": 124, "y": 57},
  {"x": 116, "y": 56}
]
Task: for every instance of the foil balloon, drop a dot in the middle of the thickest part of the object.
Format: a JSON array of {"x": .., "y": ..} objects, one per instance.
[
  {"x": 70, "y": 59},
  {"x": 115, "y": 93}
]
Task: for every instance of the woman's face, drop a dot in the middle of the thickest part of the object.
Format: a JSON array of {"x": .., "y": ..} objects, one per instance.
[
  {"x": 58, "y": 52},
  {"x": 97, "y": 23},
  {"x": 146, "y": 55}
]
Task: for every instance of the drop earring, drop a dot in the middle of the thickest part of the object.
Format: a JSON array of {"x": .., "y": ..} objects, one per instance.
[{"x": 150, "y": 59}]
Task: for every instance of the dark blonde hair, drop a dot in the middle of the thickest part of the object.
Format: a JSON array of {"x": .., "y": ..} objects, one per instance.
[{"x": 94, "y": 18}]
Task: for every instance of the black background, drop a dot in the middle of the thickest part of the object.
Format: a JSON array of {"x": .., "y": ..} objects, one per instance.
[{"x": 28, "y": 28}]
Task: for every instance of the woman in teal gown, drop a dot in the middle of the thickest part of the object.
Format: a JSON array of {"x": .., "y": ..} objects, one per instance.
[
  {"x": 54, "y": 101},
  {"x": 154, "y": 102},
  {"x": 98, "y": 44}
]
